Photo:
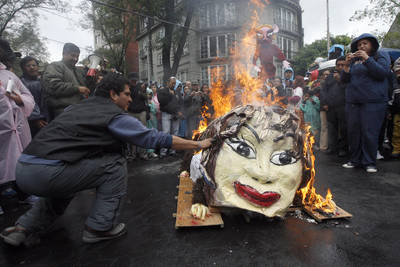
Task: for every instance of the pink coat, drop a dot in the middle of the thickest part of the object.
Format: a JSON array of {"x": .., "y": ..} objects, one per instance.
[{"x": 14, "y": 128}]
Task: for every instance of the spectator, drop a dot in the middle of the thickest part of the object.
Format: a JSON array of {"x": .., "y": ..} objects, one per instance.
[
  {"x": 82, "y": 150},
  {"x": 30, "y": 78},
  {"x": 15, "y": 106},
  {"x": 333, "y": 103},
  {"x": 298, "y": 91},
  {"x": 170, "y": 113},
  {"x": 366, "y": 99},
  {"x": 138, "y": 109},
  {"x": 310, "y": 107},
  {"x": 288, "y": 78},
  {"x": 152, "y": 121},
  {"x": 395, "y": 110},
  {"x": 193, "y": 114},
  {"x": 207, "y": 102},
  {"x": 154, "y": 99},
  {"x": 64, "y": 84},
  {"x": 324, "y": 134}
]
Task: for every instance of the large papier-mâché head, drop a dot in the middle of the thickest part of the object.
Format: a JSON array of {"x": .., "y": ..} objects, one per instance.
[{"x": 257, "y": 161}]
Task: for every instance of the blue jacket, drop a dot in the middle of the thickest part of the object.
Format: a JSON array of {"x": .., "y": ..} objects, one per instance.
[{"x": 368, "y": 82}]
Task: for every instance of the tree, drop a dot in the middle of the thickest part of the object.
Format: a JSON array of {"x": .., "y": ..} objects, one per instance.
[
  {"x": 310, "y": 52},
  {"x": 172, "y": 13},
  {"x": 385, "y": 10},
  {"x": 18, "y": 24},
  {"x": 117, "y": 28},
  {"x": 24, "y": 38},
  {"x": 13, "y": 10}
]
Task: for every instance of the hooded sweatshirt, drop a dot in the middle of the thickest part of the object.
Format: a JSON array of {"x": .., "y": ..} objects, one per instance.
[{"x": 368, "y": 81}]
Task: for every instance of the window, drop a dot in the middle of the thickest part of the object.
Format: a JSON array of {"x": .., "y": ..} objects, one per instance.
[
  {"x": 286, "y": 19},
  {"x": 182, "y": 75},
  {"x": 144, "y": 23},
  {"x": 287, "y": 46},
  {"x": 217, "y": 14},
  {"x": 159, "y": 59},
  {"x": 217, "y": 46},
  {"x": 213, "y": 73}
]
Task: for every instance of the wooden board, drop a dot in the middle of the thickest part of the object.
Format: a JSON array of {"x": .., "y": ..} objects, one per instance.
[
  {"x": 319, "y": 217},
  {"x": 184, "y": 203}
]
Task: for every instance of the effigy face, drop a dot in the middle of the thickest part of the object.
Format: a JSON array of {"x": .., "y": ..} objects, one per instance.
[{"x": 259, "y": 167}]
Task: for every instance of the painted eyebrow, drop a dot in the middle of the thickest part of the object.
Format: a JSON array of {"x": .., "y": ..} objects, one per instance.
[
  {"x": 279, "y": 138},
  {"x": 253, "y": 132}
]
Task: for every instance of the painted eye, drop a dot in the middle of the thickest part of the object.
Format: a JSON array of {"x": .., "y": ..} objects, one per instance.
[
  {"x": 283, "y": 158},
  {"x": 242, "y": 148}
]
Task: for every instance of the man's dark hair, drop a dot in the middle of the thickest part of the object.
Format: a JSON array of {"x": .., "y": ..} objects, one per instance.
[
  {"x": 25, "y": 61},
  {"x": 112, "y": 81},
  {"x": 70, "y": 48},
  {"x": 341, "y": 58},
  {"x": 7, "y": 56}
]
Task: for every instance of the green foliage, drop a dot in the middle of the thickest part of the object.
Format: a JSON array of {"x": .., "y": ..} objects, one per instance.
[
  {"x": 306, "y": 56},
  {"x": 115, "y": 27},
  {"x": 18, "y": 24}
]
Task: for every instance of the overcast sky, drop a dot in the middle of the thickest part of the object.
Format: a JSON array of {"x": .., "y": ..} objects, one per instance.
[{"x": 59, "y": 29}]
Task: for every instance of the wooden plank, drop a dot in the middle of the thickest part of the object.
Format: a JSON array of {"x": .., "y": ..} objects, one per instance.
[
  {"x": 184, "y": 203},
  {"x": 319, "y": 217}
]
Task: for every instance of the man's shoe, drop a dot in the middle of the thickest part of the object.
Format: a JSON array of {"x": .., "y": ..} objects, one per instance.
[
  {"x": 91, "y": 236},
  {"x": 14, "y": 236},
  {"x": 349, "y": 165},
  {"x": 30, "y": 200},
  {"x": 1, "y": 211},
  {"x": 379, "y": 156},
  {"x": 371, "y": 169}
]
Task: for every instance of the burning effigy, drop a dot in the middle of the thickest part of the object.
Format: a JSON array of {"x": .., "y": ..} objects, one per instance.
[{"x": 262, "y": 158}]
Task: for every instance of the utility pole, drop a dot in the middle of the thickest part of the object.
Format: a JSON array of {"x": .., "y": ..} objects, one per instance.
[{"x": 328, "y": 36}]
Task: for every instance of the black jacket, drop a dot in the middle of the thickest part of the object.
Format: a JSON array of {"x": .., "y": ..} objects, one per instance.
[
  {"x": 333, "y": 93},
  {"x": 139, "y": 100},
  {"x": 168, "y": 102},
  {"x": 81, "y": 131}
]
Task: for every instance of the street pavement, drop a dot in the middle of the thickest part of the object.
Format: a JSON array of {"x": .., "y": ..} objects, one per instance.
[{"x": 370, "y": 238}]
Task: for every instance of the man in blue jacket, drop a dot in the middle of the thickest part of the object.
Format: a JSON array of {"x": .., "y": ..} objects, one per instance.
[
  {"x": 366, "y": 74},
  {"x": 83, "y": 149}
]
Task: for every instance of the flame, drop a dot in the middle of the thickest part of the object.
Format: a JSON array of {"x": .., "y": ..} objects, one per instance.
[{"x": 308, "y": 193}]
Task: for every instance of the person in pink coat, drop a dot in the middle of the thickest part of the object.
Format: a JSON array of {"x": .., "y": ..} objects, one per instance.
[{"x": 16, "y": 104}]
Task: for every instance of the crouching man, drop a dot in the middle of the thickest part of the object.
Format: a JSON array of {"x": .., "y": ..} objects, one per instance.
[{"x": 82, "y": 149}]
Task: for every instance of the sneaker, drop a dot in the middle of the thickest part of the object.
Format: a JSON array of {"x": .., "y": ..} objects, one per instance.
[
  {"x": 371, "y": 169},
  {"x": 349, "y": 165},
  {"x": 9, "y": 193},
  {"x": 1, "y": 211},
  {"x": 379, "y": 156},
  {"x": 91, "y": 236},
  {"x": 14, "y": 236}
]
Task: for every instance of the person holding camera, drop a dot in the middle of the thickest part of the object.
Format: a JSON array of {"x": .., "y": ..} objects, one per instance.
[{"x": 366, "y": 74}]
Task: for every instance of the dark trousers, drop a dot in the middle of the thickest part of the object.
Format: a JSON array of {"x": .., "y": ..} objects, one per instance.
[
  {"x": 364, "y": 122},
  {"x": 337, "y": 128},
  {"x": 57, "y": 185}
]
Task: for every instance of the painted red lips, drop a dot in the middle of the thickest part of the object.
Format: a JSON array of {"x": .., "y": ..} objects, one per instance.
[{"x": 265, "y": 199}]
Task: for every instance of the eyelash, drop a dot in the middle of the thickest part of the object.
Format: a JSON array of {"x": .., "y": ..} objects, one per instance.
[
  {"x": 280, "y": 158},
  {"x": 242, "y": 148}
]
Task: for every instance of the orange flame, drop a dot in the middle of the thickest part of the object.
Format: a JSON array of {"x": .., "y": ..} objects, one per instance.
[{"x": 308, "y": 193}]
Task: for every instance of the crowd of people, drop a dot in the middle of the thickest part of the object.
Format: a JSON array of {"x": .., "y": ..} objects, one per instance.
[{"x": 72, "y": 134}]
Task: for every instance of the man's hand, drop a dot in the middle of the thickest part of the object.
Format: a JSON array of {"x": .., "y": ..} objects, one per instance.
[
  {"x": 325, "y": 107},
  {"x": 361, "y": 54},
  {"x": 205, "y": 143},
  {"x": 84, "y": 91},
  {"x": 41, "y": 123},
  {"x": 336, "y": 75},
  {"x": 16, "y": 97}
]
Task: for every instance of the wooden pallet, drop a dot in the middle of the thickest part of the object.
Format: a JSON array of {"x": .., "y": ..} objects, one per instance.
[
  {"x": 319, "y": 217},
  {"x": 184, "y": 203}
]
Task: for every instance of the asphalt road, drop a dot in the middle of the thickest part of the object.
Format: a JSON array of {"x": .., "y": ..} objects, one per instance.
[{"x": 370, "y": 238}]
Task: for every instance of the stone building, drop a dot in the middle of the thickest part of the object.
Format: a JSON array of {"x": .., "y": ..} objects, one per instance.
[{"x": 220, "y": 23}]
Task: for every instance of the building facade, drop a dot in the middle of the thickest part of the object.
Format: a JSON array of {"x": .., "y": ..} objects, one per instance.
[{"x": 211, "y": 48}]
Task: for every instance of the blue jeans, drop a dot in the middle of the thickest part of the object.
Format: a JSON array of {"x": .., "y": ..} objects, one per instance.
[
  {"x": 364, "y": 122},
  {"x": 170, "y": 126}
]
